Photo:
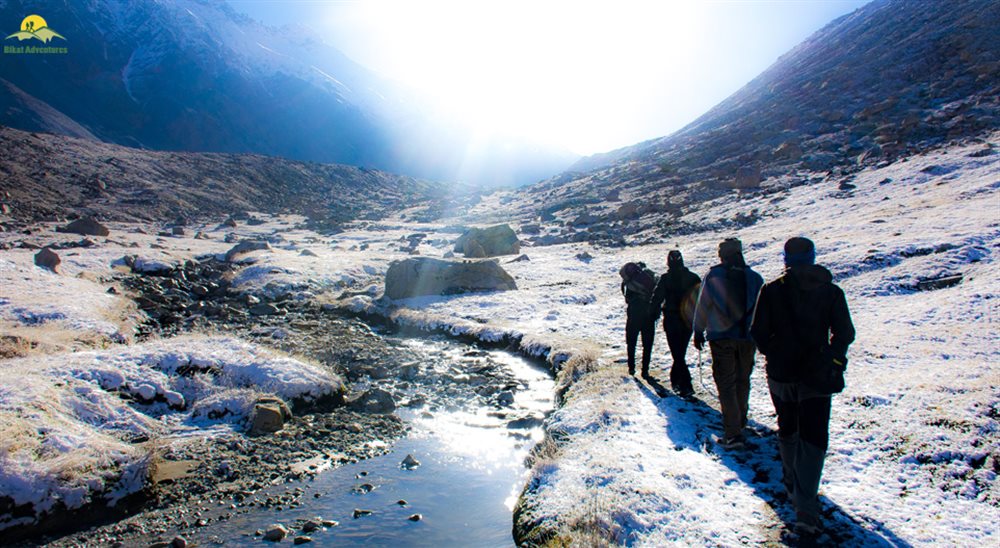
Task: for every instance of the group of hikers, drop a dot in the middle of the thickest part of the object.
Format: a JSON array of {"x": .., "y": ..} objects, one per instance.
[{"x": 799, "y": 322}]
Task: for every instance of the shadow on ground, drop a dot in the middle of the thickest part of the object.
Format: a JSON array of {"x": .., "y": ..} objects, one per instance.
[{"x": 759, "y": 466}]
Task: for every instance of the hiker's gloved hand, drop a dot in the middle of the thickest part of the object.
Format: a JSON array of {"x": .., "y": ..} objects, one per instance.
[{"x": 699, "y": 341}]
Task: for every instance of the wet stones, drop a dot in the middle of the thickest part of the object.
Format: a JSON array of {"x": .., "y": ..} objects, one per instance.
[
  {"x": 409, "y": 463},
  {"x": 275, "y": 533}
]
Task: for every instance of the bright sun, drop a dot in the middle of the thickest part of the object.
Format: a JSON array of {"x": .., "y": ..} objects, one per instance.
[
  {"x": 535, "y": 68},
  {"x": 33, "y": 23}
]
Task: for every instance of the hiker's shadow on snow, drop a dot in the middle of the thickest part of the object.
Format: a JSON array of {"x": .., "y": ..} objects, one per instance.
[{"x": 693, "y": 425}]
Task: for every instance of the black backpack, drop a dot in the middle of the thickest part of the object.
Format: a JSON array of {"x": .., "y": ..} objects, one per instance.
[{"x": 638, "y": 278}]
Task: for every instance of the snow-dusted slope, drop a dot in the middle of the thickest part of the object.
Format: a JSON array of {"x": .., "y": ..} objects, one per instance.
[{"x": 915, "y": 437}]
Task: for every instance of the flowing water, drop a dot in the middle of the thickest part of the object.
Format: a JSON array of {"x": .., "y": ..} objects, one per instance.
[{"x": 470, "y": 474}]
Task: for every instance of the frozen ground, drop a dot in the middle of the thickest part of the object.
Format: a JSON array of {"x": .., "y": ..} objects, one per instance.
[
  {"x": 914, "y": 449},
  {"x": 914, "y": 452},
  {"x": 84, "y": 425}
]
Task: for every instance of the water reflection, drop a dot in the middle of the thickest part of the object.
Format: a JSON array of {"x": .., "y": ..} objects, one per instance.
[{"x": 470, "y": 475}]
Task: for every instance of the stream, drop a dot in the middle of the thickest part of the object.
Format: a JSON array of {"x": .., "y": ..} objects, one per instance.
[{"x": 470, "y": 474}]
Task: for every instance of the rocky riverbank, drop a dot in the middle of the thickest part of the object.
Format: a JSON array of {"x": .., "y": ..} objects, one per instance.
[{"x": 195, "y": 484}]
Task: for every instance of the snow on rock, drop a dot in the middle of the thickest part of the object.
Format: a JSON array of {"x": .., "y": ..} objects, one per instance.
[{"x": 68, "y": 435}]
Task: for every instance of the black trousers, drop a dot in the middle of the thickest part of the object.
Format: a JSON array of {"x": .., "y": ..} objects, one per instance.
[
  {"x": 803, "y": 437},
  {"x": 633, "y": 328},
  {"x": 678, "y": 336}
]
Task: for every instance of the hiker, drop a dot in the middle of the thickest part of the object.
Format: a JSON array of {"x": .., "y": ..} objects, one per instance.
[
  {"x": 722, "y": 317},
  {"x": 801, "y": 320},
  {"x": 676, "y": 292},
  {"x": 638, "y": 283}
]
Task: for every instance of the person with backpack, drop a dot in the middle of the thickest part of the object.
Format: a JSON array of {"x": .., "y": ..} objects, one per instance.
[
  {"x": 802, "y": 327},
  {"x": 638, "y": 283},
  {"x": 722, "y": 317},
  {"x": 675, "y": 292}
]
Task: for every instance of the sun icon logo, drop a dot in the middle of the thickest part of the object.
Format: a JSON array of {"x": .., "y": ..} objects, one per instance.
[{"x": 34, "y": 26}]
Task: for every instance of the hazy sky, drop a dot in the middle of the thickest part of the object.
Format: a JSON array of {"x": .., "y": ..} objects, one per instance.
[{"x": 587, "y": 76}]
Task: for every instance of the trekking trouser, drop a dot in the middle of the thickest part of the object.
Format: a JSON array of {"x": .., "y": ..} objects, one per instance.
[
  {"x": 803, "y": 437},
  {"x": 633, "y": 328},
  {"x": 732, "y": 363},
  {"x": 678, "y": 338}
]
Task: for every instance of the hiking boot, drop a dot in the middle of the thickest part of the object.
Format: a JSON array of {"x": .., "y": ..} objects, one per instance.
[
  {"x": 807, "y": 524},
  {"x": 685, "y": 392},
  {"x": 732, "y": 442}
]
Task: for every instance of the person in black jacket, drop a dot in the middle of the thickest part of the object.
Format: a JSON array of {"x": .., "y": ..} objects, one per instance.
[
  {"x": 640, "y": 319},
  {"x": 676, "y": 292},
  {"x": 799, "y": 317}
]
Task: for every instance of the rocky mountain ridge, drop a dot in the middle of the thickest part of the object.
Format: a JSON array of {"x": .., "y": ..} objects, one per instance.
[
  {"x": 47, "y": 177},
  {"x": 196, "y": 75},
  {"x": 885, "y": 82}
]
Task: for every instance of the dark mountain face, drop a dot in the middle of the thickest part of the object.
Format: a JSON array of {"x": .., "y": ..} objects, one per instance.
[
  {"x": 893, "y": 78},
  {"x": 47, "y": 177},
  {"x": 195, "y": 75}
]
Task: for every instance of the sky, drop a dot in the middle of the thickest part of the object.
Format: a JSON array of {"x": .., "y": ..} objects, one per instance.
[{"x": 585, "y": 76}]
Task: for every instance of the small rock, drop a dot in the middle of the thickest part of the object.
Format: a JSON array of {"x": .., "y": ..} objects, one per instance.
[
  {"x": 46, "y": 258},
  {"x": 311, "y": 525},
  {"x": 302, "y": 539},
  {"x": 360, "y": 513},
  {"x": 505, "y": 398},
  {"x": 519, "y": 259},
  {"x": 275, "y": 533},
  {"x": 229, "y": 223},
  {"x": 308, "y": 253},
  {"x": 401, "y": 502},
  {"x": 415, "y": 517},
  {"x": 267, "y": 418},
  {"x": 145, "y": 392},
  {"x": 364, "y": 488},
  {"x": 329, "y": 523},
  {"x": 264, "y": 309},
  {"x": 409, "y": 463},
  {"x": 585, "y": 257},
  {"x": 177, "y": 231}
]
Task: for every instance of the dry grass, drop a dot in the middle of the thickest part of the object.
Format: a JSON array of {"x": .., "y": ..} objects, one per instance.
[{"x": 21, "y": 340}]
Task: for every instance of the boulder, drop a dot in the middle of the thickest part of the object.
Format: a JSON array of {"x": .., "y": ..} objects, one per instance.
[
  {"x": 244, "y": 247},
  {"x": 495, "y": 240},
  {"x": 747, "y": 177},
  {"x": 427, "y": 276},
  {"x": 474, "y": 250},
  {"x": 46, "y": 258},
  {"x": 87, "y": 226}
]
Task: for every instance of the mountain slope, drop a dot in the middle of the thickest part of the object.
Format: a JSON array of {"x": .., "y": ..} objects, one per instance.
[
  {"x": 51, "y": 176},
  {"x": 196, "y": 75},
  {"x": 891, "y": 79}
]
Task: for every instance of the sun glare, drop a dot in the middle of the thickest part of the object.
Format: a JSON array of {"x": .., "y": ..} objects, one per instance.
[{"x": 535, "y": 68}]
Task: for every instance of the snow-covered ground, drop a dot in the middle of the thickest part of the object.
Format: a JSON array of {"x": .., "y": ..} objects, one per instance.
[
  {"x": 914, "y": 451},
  {"x": 914, "y": 445},
  {"x": 85, "y": 425}
]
